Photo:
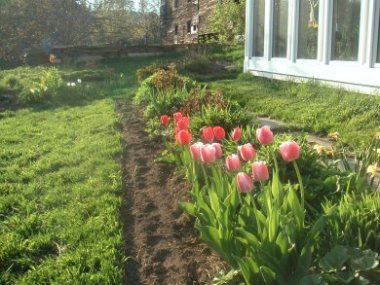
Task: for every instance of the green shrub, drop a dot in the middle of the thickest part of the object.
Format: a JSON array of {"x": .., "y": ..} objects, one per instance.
[
  {"x": 161, "y": 81},
  {"x": 199, "y": 64},
  {"x": 147, "y": 71},
  {"x": 30, "y": 84}
]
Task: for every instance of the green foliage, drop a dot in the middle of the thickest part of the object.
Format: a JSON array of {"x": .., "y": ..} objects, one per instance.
[
  {"x": 309, "y": 106},
  {"x": 59, "y": 196},
  {"x": 147, "y": 71},
  {"x": 30, "y": 85},
  {"x": 228, "y": 20},
  {"x": 87, "y": 75},
  {"x": 197, "y": 63},
  {"x": 346, "y": 265},
  {"x": 160, "y": 82}
]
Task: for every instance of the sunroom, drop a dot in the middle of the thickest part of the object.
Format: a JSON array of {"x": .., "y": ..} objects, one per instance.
[{"x": 333, "y": 41}]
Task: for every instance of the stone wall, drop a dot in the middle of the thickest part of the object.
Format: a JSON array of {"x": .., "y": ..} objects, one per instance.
[{"x": 184, "y": 20}]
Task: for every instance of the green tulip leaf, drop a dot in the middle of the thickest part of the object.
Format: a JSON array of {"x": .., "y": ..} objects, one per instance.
[
  {"x": 335, "y": 259},
  {"x": 189, "y": 208},
  {"x": 314, "y": 279},
  {"x": 268, "y": 275}
]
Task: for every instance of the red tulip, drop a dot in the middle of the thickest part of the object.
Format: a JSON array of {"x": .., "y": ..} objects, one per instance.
[
  {"x": 260, "y": 171},
  {"x": 183, "y": 123},
  {"x": 247, "y": 151},
  {"x": 195, "y": 150},
  {"x": 184, "y": 137},
  {"x": 218, "y": 150},
  {"x": 219, "y": 133},
  {"x": 208, "y": 153},
  {"x": 244, "y": 182},
  {"x": 264, "y": 135},
  {"x": 164, "y": 120},
  {"x": 208, "y": 134},
  {"x": 289, "y": 151},
  {"x": 177, "y": 116},
  {"x": 236, "y": 134},
  {"x": 233, "y": 162}
]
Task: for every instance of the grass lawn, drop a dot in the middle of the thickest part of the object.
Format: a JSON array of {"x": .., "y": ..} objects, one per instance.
[
  {"x": 60, "y": 184},
  {"x": 308, "y": 106}
]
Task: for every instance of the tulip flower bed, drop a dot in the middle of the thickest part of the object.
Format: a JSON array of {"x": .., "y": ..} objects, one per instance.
[{"x": 272, "y": 208}]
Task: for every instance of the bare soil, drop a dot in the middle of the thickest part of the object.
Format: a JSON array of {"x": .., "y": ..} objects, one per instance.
[{"x": 160, "y": 240}]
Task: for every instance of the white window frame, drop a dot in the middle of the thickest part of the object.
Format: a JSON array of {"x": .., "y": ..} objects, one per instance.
[{"x": 361, "y": 75}]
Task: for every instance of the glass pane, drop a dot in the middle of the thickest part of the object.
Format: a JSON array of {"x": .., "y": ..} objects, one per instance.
[
  {"x": 378, "y": 44},
  {"x": 346, "y": 25},
  {"x": 308, "y": 29},
  {"x": 259, "y": 17},
  {"x": 280, "y": 28}
]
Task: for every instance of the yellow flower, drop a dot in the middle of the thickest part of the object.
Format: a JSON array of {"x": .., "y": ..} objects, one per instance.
[
  {"x": 321, "y": 149},
  {"x": 377, "y": 135},
  {"x": 373, "y": 170},
  {"x": 334, "y": 136}
]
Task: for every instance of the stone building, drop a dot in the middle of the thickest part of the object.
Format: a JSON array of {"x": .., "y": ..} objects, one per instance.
[{"x": 183, "y": 21}]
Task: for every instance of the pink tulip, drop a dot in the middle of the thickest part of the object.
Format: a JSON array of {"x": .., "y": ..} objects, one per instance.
[
  {"x": 177, "y": 116},
  {"x": 260, "y": 171},
  {"x": 289, "y": 151},
  {"x": 264, "y": 135},
  {"x": 236, "y": 134},
  {"x": 218, "y": 150},
  {"x": 208, "y": 153},
  {"x": 244, "y": 182},
  {"x": 233, "y": 162},
  {"x": 247, "y": 151},
  {"x": 184, "y": 137},
  {"x": 208, "y": 134},
  {"x": 219, "y": 133},
  {"x": 195, "y": 150},
  {"x": 164, "y": 120},
  {"x": 183, "y": 123}
]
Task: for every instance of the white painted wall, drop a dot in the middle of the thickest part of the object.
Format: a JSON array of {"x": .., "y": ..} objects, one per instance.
[{"x": 362, "y": 75}]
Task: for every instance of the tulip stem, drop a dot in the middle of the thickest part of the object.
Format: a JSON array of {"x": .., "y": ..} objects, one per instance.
[{"x": 301, "y": 184}]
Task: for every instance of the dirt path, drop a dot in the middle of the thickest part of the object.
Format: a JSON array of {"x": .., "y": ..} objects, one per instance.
[{"x": 162, "y": 245}]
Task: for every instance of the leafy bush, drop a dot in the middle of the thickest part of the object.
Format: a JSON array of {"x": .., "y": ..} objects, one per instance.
[
  {"x": 161, "y": 81},
  {"x": 198, "y": 63},
  {"x": 30, "y": 85},
  {"x": 147, "y": 71}
]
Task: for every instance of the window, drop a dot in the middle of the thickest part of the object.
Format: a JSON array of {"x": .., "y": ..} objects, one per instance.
[
  {"x": 176, "y": 29},
  {"x": 378, "y": 44},
  {"x": 188, "y": 26},
  {"x": 308, "y": 29},
  {"x": 176, "y": 3},
  {"x": 280, "y": 28},
  {"x": 259, "y": 22},
  {"x": 345, "y": 33},
  {"x": 194, "y": 28}
]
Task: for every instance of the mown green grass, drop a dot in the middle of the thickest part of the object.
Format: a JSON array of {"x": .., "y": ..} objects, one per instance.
[
  {"x": 307, "y": 106},
  {"x": 61, "y": 184}
]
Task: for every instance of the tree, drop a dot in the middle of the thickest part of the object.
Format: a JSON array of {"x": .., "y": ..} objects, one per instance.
[{"x": 228, "y": 20}]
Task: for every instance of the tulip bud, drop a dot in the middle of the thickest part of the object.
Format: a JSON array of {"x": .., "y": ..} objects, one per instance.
[
  {"x": 244, "y": 182},
  {"x": 183, "y": 123},
  {"x": 236, "y": 134},
  {"x": 219, "y": 133},
  {"x": 184, "y": 137},
  {"x": 264, "y": 135},
  {"x": 289, "y": 151},
  {"x": 247, "y": 151},
  {"x": 208, "y": 153},
  {"x": 195, "y": 150},
  {"x": 177, "y": 116},
  {"x": 208, "y": 134},
  {"x": 164, "y": 120},
  {"x": 218, "y": 150},
  {"x": 260, "y": 171},
  {"x": 233, "y": 162}
]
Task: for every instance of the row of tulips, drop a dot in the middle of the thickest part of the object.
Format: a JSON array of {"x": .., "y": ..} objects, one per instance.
[{"x": 256, "y": 223}]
